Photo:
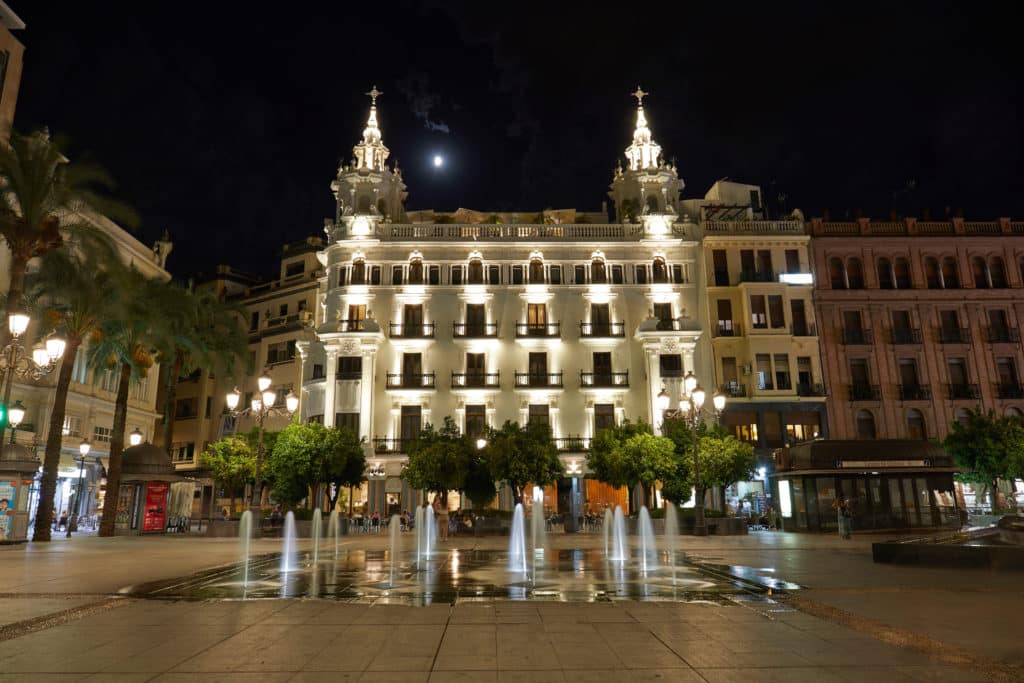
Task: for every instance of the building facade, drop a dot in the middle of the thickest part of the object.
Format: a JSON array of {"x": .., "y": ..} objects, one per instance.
[
  {"x": 919, "y": 322},
  {"x": 11, "y": 55}
]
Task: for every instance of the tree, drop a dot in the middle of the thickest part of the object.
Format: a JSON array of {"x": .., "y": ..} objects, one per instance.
[
  {"x": 987, "y": 448},
  {"x": 479, "y": 485},
  {"x": 304, "y": 455},
  {"x": 629, "y": 455},
  {"x": 439, "y": 460},
  {"x": 46, "y": 199},
  {"x": 73, "y": 290},
  {"x": 344, "y": 463},
  {"x": 522, "y": 455},
  {"x": 232, "y": 464},
  {"x": 124, "y": 344},
  {"x": 723, "y": 459}
]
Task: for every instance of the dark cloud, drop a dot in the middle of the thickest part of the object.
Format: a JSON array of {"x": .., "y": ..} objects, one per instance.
[{"x": 422, "y": 100}]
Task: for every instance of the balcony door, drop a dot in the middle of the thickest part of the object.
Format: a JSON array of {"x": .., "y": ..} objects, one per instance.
[
  {"x": 725, "y": 328},
  {"x": 476, "y": 320},
  {"x": 859, "y": 376},
  {"x": 602, "y": 368},
  {"x": 537, "y": 319},
  {"x": 475, "y": 369},
  {"x": 538, "y": 368},
  {"x": 411, "y": 423},
  {"x": 799, "y": 315},
  {"x": 600, "y": 320},
  {"x": 412, "y": 320},
  {"x": 412, "y": 368}
]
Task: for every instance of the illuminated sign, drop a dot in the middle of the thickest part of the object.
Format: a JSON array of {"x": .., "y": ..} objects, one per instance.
[
  {"x": 796, "y": 278},
  {"x": 878, "y": 464},
  {"x": 785, "y": 500}
]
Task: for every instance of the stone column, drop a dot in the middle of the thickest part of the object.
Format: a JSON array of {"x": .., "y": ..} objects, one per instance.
[
  {"x": 366, "y": 394},
  {"x": 330, "y": 384}
]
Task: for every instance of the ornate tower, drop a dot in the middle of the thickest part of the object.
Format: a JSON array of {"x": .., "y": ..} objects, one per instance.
[
  {"x": 367, "y": 191},
  {"x": 648, "y": 189}
]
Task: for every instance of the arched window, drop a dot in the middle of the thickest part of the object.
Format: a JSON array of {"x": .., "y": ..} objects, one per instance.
[
  {"x": 931, "y": 273},
  {"x": 865, "y": 425},
  {"x": 536, "y": 271},
  {"x": 836, "y": 273},
  {"x": 359, "y": 272},
  {"x": 476, "y": 272},
  {"x": 652, "y": 204},
  {"x": 963, "y": 416},
  {"x": 855, "y": 273},
  {"x": 950, "y": 277},
  {"x": 997, "y": 272},
  {"x": 915, "y": 424},
  {"x": 886, "y": 279},
  {"x": 901, "y": 272},
  {"x": 979, "y": 270},
  {"x": 416, "y": 271},
  {"x": 597, "y": 271},
  {"x": 660, "y": 271}
]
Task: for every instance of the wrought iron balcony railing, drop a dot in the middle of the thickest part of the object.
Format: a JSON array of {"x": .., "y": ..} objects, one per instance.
[
  {"x": 1010, "y": 390},
  {"x": 804, "y": 329},
  {"x": 602, "y": 329},
  {"x": 955, "y": 335},
  {"x": 604, "y": 379},
  {"x": 856, "y": 336},
  {"x": 914, "y": 392},
  {"x": 410, "y": 380},
  {"x": 1003, "y": 335},
  {"x": 864, "y": 392},
  {"x": 547, "y": 330},
  {"x": 411, "y": 330},
  {"x": 906, "y": 335},
  {"x": 809, "y": 389},
  {"x": 475, "y": 380},
  {"x": 963, "y": 392},
  {"x": 386, "y": 446},
  {"x": 733, "y": 390},
  {"x": 352, "y": 325},
  {"x": 572, "y": 443},
  {"x": 537, "y": 380},
  {"x": 474, "y": 330}
]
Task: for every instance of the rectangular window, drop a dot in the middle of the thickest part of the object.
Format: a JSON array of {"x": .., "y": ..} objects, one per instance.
[
  {"x": 476, "y": 421},
  {"x": 517, "y": 275},
  {"x": 282, "y": 352},
  {"x": 663, "y": 314},
  {"x": 72, "y": 426},
  {"x": 411, "y": 423},
  {"x": 475, "y": 369},
  {"x": 799, "y": 318},
  {"x": 209, "y": 407},
  {"x": 356, "y": 316},
  {"x": 102, "y": 434},
  {"x": 764, "y": 371},
  {"x": 396, "y": 275},
  {"x": 725, "y": 327},
  {"x": 617, "y": 278},
  {"x": 282, "y": 310},
  {"x": 803, "y": 370},
  {"x": 600, "y": 320},
  {"x": 747, "y": 261},
  {"x": 434, "y": 275},
  {"x": 764, "y": 261},
  {"x": 758, "y": 318},
  {"x": 318, "y": 419},
  {"x": 957, "y": 371},
  {"x": 602, "y": 368},
  {"x": 792, "y": 261},
  {"x": 412, "y": 367},
  {"x": 185, "y": 408},
  {"x": 555, "y": 273},
  {"x": 950, "y": 322},
  {"x": 350, "y": 367},
  {"x": 782, "y": 377},
  {"x": 729, "y": 375},
  {"x": 604, "y": 416},
  {"x": 641, "y": 274},
  {"x": 456, "y": 278},
  {"x": 494, "y": 275},
  {"x": 908, "y": 373},
  {"x": 375, "y": 275},
  {"x": 775, "y": 311},
  {"x": 1007, "y": 371},
  {"x": 670, "y": 365},
  {"x": 342, "y": 272},
  {"x": 580, "y": 275},
  {"x": 536, "y": 319},
  {"x": 719, "y": 258},
  {"x": 318, "y": 371},
  {"x": 538, "y": 365},
  {"x": 254, "y": 321},
  {"x": 412, "y": 319},
  {"x": 859, "y": 372},
  {"x": 348, "y": 421},
  {"x": 184, "y": 452},
  {"x": 476, "y": 319},
  {"x": 539, "y": 413},
  {"x": 677, "y": 274}
]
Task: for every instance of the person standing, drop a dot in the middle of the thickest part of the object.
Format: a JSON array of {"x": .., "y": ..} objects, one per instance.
[
  {"x": 441, "y": 514},
  {"x": 842, "y": 508}
]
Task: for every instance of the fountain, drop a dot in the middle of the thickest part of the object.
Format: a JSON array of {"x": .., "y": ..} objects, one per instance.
[
  {"x": 618, "y": 549},
  {"x": 648, "y": 550},
  {"x": 317, "y": 526},
  {"x": 394, "y": 530},
  {"x": 245, "y": 539},
  {"x": 671, "y": 536},
  {"x": 288, "y": 544},
  {"x": 426, "y": 534},
  {"x": 418, "y": 523},
  {"x": 334, "y": 530},
  {"x": 609, "y": 520},
  {"x": 517, "y": 542}
]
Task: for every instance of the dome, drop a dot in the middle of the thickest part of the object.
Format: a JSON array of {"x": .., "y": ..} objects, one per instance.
[
  {"x": 17, "y": 458},
  {"x": 146, "y": 461}
]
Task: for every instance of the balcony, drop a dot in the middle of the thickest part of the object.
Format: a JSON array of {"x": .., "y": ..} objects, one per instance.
[
  {"x": 572, "y": 444},
  {"x": 1010, "y": 390},
  {"x": 733, "y": 390},
  {"x": 721, "y": 278},
  {"x": 803, "y": 329},
  {"x": 538, "y": 330},
  {"x": 537, "y": 380},
  {"x": 348, "y": 374},
  {"x": 728, "y": 328},
  {"x": 854, "y": 336},
  {"x": 475, "y": 380},
  {"x": 609, "y": 329},
  {"x": 474, "y": 330},
  {"x": 864, "y": 392},
  {"x": 390, "y": 446},
  {"x": 765, "y": 386},
  {"x": 905, "y": 335},
  {"x": 668, "y": 325},
  {"x": 954, "y": 335},
  {"x": 410, "y": 380},
  {"x": 914, "y": 392},
  {"x": 963, "y": 392},
  {"x": 352, "y": 325},
  {"x": 808, "y": 389},
  {"x": 758, "y": 276},
  {"x": 604, "y": 379},
  {"x": 411, "y": 330},
  {"x": 1002, "y": 335}
]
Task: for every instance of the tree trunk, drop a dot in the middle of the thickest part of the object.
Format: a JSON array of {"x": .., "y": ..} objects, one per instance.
[
  {"x": 16, "y": 289},
  {"x": 648, "y": 500},
  {"x": 444, "y": 498},
  {"x": 116, "y": 446},
  {"x": 995, "y": 496},
  {"x": 54, "y": 439},
  {"x": 517, "y": 495},
  {"x": 171, "y": 384}
]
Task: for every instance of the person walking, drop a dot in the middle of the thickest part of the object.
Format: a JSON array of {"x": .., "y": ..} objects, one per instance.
[{"x": 842, "y": 508}]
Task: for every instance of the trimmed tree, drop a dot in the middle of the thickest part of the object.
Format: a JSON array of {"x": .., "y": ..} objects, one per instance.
[
  {"x": 629, "y": 455},
  {"x": 344, "y": 464},
  {"x": 723, "y": 459},
  {"x": 307, "y": 454},
  {"x": 232, "y": 464},
  {"x": 987, "y": 448},
  {"x": 439, "y": 460},
  {"x": 522, "y": 455}
]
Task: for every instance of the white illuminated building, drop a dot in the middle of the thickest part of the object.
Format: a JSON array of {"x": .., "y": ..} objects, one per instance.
[{"x": 558, "y": 316}]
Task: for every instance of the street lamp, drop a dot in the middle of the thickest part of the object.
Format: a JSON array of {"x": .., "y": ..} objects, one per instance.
[
  {"x": 15, "y": 360},
  {"x": 15, "y": 415},
  {"x": 135, "y": 438},
  {"x": 260, "y": 407},
  {"x": 691, "y": 410},
  {"x": 83, "y": 450}
]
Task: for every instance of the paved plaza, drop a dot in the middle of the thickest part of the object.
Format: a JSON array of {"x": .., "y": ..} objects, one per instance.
[{"x": 63, "y": 619}]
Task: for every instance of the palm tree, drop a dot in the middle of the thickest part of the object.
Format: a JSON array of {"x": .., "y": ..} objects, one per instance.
[
  {"x": 44, "y": 200},
  {"x": 74, "y": 288},
  {"x": 197, "y": 331},
  {"x": 125, "y": 344}
]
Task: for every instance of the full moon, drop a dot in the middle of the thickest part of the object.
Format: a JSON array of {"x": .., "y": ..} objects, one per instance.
[{"x": 438, "y": 161}]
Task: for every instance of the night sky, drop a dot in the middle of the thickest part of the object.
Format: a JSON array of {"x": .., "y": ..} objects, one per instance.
[{"x": 225, "y": 125}]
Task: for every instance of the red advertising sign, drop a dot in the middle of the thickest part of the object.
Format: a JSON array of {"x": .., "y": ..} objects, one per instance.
[{"x": 154, "y": 517}]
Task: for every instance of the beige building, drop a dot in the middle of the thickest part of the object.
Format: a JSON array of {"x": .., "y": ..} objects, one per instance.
[{"x": 11, "y": 54}]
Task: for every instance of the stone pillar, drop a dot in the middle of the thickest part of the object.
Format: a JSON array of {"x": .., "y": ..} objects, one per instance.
[
  {"x": 653, "y": 384},
  {"x": 330, "y": 385},
  {"x": 366, "y": 394}
]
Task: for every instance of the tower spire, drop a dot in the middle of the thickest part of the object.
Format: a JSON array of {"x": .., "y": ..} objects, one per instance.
[
  {"x": 644, "y": 151},
  {"x": 371, "y": 153}
]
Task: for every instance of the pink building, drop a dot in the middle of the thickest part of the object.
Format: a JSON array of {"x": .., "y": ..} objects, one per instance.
[{"x": 918, "y": 322}]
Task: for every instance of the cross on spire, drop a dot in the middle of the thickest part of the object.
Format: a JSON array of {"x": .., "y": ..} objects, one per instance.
[
  {"x": 640, "y": 95},
  {"x": 374, "y": 94}
]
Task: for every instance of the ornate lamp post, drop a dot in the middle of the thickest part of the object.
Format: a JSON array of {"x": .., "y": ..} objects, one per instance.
[
  {"x": 691, "y": 409},
  {"x": 260, "y": 407},
  {"x": 15, "y": 415},
  {"x": 16, "y": 361},
  {"x": 83, "y": 450}
]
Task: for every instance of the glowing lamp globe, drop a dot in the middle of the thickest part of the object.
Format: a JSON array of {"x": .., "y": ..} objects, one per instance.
[
  {"x": 16, "y": 414},
  {"x": 291, "y": 401},
  {"x": 55, "y": 348},
  {"x": 17, "y": 323},
  {"x": 135, "y": 438},
  {"x": 84, "y": 448},
  {"x": 481, "y": 443},
  {"x": 232, "y": 398},
  {"x": 256, "y": 405},
  {"x": 719, "y": 401},
  {"x": 698, "y": 397},
  {"x": 263, "y": 382},
  {"x": 269, "y": 397},
  {"x": 663, "y": 400},
  {"x": 689, "y": 383},
  {"x": 40, "y": 356}
]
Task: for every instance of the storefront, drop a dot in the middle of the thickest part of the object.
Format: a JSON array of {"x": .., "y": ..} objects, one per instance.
[{"x": 888, "y": 484}]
